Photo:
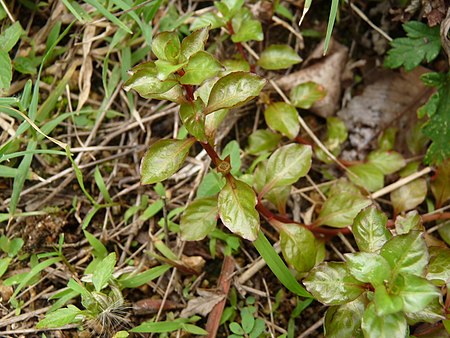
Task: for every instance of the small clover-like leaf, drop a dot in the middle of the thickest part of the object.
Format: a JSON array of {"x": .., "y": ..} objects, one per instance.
[
  {"x": 306, "y": 94},
  {"x": 277, "y": 57},
  {"x": 282, "y": 117},
  {"x": 163, "y": 159},
  {"x": 369, "y": 229},
  {"x": 201, "y": 66},
  {"x": 233, "y": 90},
  {"x": 199, "y": 219},
  {"x": 237, "y": 202}
]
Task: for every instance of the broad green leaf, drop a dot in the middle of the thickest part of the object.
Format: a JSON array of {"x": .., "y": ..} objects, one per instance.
[
  {"x": 287, "y": 164},
  {"x": 387, "y": 161},
  {"x": 143, "y": 277},
  {"x": 60, "y": 318},
  {"x": 336, "y": 129},
  {"x": 208, "y": 19},
  {"x": 299, "y": 247},
  {"x": 247, "y": 319},
  {"x": 168, "y": 326},
  {"x": 236, "y": 65},
  {"x": 191, "y": 114},
  {"x": 440, "y": 184},
  {"x": 246, "y": 28},
  {"x": 306, "y": 94},
  {"x": 233, "y": 150},
  {"x": 439, "y": 265},
  {"x": 332, "y": 284},
  {"x": 213, "y": 122},
  {"x": 167, "y": 68},
  {"x": 345, "y": 320},
  {"x": 229, "y": 8},
  {"x": 261, "y": 141},
  {"x": 283, "y": 118},
  {"x": 406, "y": 253},
  {"x": 432, "y": 313},
  {"x": 201, "y": 66},
  {"x": 339, "y": 210},
  {"x": 211, "y": 185},
  {"x": 233, "y": 90},
  {"x": 412, "y": 221},
  {"x": 416, "y": 292},
  {"x": 4, "y": 264},
  {"x": 103, "y": 273},
  {"x": 11, "y": 36},
  {"x": 367, "y": 175},
  {"x": 386, "y": 303},
  {"x": 11, "y": 246},
  {"x": 236, "y": 329},
  {"x": 166, "y": 46},
  {"x": 163, "y": 159},
  {"x": 237, "y": 211},
  {"x": 368, "y": 267},
  {"x": 99, "y": 250},
  {"x": 5, "y": 71},
  {"x": 193, "y": 43},
  {"x": 199, "y": 219},
  {"x": 387, "y": 326},
  {"x": 409, "y": 196},
  {"x": 386, "y": 141},
  {"x": 369, "y": 229},
  {"x": 278, "y": 57}
]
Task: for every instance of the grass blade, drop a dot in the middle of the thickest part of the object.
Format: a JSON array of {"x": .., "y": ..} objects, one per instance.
[
  {"x": 331, "y": 21},
  {"x": 108, "y": 15}
]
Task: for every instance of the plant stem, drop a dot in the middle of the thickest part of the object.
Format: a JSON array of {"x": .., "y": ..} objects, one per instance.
[{"x": 240, "y": 48}]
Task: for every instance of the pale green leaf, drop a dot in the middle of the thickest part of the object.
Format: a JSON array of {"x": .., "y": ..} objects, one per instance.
[
  {"x": 345, "y": 320},
  {"x": 277, "y": 57},
  {"x": 283, "y": 118},
  {"x": 387, "y": 161},
  {"x": 11, "y": 36},
  {"x": 166, "y": 46},
  {"x": 201, "y": 66},
  {"x": 369, "y": 229},
  {"x": 367, "y": 175},
  {"x": 416, "y": 292},
  {"x": 199, "y": 219},
  {"x": 388, "y": 326},
  {"x": 5, "y": 71},
  {"x": 261, "y": 141},
  {"x": 409, "y": 196},
  {"x": 60, "y": 318},
  {"x": 439, "y": 265},
  {"x": 306, "y": 94},
  {"x": 103, "y": 273}
]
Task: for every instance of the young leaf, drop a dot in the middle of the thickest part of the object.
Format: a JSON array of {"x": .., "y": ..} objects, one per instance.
[
  {"x": 60, "y": 318},
  {"x": 406, "y": 253},
  {"x": 193, "y": 43},
  {"x": 367, "y": 175},
  {"x": 416, "y": 292},
  {"x": 388, "y": 326},
  {"x": 369, "y": 229},
  {"x": 440, "y": 184},
  {"x": 409, "y": 196},
  {"x": 261, "y": 141},
  {"x": 331, "y": 284},
  {"x": 306, "y": 94},
  {"x": 201, "y": 66},
  {"x": 208, "y": 19},
  {"x": 277, "y": 57},
  {"x": 199, "y": 219},
  {"x": 163, "y": 159},
  {"x": 287, "y": 164},
  {"x": 387, "y": 161},
  {"x": 283, "y": 118},
  {"x": 345, "y": 320},
  {"x": 339, "y": 210},
  {"x": 422, "y": 43},
  {"x": 248, "y": 319},
  {"x": 439, "y": 265},
  {"x": 386, "y": 303},
  {"x": 368, "y": 267},
  {"x": 299, "y": 246},
  {"x": 233, "y": 90},
  {"x": 237, "y": 211},
  {"x": 193, "y": 119},
  {"x": 166, "y": 46},
  {"x": 103, "y": 273},
  {"x": 229, "y": 8}
]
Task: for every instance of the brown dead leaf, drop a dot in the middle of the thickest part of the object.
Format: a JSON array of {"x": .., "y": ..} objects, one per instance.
[
  {"x": 203, "y": 304},
  {"x": 434, "y": 11},
  {"x": 196, "y": 263},
  {"x": 5, "y": 293},
  {"x": 326, "y": 71},
  {"x": 85, "y": 78},
  {"x": 445, "y": 28},
  {"x": 149, "y": 306}
]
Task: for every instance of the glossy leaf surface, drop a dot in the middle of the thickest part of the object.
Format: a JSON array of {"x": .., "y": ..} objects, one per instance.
[
  {"x": 199, "y": 219},
  {"x": 415, "y": 292},
  {"x": 306, "y": 94},
  {"x": 367, "y": 175},
  {"x": 233, "y": 90},
  {"x": 191, "y": 114},
  {"x": 163, "y": 159},
  {"x": 368, "y": 267},
  {"x": 345, "y": 320},
  {"x": 387, "y": 161},
  {"x": 283, "y": 118},
  {"x": 201, "y": 66},
  {"x": 193, "y": 43},
  {"x": 409, "y": 196},
  {"x": 439, "y": 265},
  {"x": 166, "y": 46},
  {"x": 237, "y": 202},
  {"x": 277, "y": 57},
  {"x": 386, "y": 303},
  {"x": 246, "y": 28},
  {"x": 369, "y": 229},
  {"x": 387, "y": 326}
]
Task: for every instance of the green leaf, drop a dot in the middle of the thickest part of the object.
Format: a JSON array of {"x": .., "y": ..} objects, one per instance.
[
  {"x": 386, "y": 303},
  {"x": 248, "y": 320},
  {"x": 369, "y": 229},
  {"x": 440, "y": 184},
  {"x": 229, "y": 8},
  {"x": 283, "y": 118},
  {"x": 166, "y": 46},
  {"x": 236, "y": 328},
  {"x": 211, "y": 185},
  {"x": 191, "y": 114},
  {"x": 299, "y": 246},
  {"x": 163, "y": 159},
  {"x": 201, "y": 66},
  {"x": 208, "y": 19},
  {"x": 5, "y": 71},
  {"x": 388, "y": 326},
  {"x": 258, "y": 328},
  {"x": 100, "y": 250},
  {"x": 287, "y": 164},
  {"x": 143, "y": 277},
  {"x": 168, "y": 326},
  {"x": 60, "y": 318},
  {"x": 345, "y": 320},
  {"x": 412, "y": 221},
  {"x": 246, "y": 28},
  {"x": 199, "y": 219},
  {"x": 167, "y": 68},
  {"x": 237, "y": 211},
  {"x": 367, "y": 175},
  {"x": 387, "y": 161},
  {"x": 233, "y": 150},
  {"x": 406, "y": 253},
  {"x": 101, "y": 185},
  {"x": 386, "y": 141},
  {"x": 421, "y": 44},
  {"x": 233, "y": 90},
  {"x": 4, "y": 264},
  {"x": 261, "y": 141},
  {"x": 193, "y": 43},
  {"x": 306, "y": 94},
  {"x": 432, "y": 313},
  {"x": 11, "y": 36},
  {"x": 409, "y": 196},
  {"x": 277, "y": 57},
  {"x": 368, "y": 267},
  {"x": 416, "y": 292},
  {"x": 339, "y": 210},
  {"x": 331, "y": 284},
  {"x": 439, "y": 265},
  {"x": 103, "y": 273}
]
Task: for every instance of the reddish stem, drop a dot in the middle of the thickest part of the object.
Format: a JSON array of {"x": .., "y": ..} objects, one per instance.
[
  {"x": 240, "y": 48},
  {"x": 189, "y": 89}
]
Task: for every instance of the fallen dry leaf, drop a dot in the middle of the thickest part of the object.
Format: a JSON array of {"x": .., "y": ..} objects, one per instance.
[{"x": 203, "y": 304}]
